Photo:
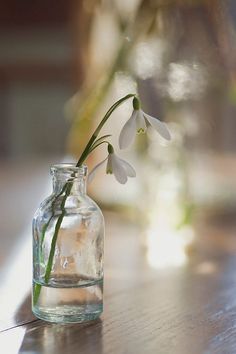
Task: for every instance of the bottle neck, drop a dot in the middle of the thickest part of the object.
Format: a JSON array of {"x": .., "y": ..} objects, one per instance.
[
  {"x": 69, "y": 175},
  {"x": 78, "y": 185}
]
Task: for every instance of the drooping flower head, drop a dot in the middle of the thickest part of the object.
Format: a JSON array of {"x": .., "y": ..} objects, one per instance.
[
  {"x": 120, "y": 168},
  {"x": 137, "y": 123}
]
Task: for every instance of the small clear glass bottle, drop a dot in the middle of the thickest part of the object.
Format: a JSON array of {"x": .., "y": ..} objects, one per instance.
[{"x": 68, "y": 243}]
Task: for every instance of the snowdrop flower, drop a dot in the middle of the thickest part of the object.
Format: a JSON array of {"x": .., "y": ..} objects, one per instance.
[
  {"x": 115, "y": 165},
  {"x": 137, "y": 123}
]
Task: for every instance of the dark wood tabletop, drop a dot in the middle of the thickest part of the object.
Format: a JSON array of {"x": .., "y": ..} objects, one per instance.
[{"x": 189, "y": 309}]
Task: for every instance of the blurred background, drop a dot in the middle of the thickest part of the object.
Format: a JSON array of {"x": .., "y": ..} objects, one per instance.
[{"x": 62, "y": 65}]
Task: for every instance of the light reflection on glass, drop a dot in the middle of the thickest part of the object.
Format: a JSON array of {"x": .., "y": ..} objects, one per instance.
[
  {"x": 147, "y": 58},
  {"x": 186, "y": 81},
  {"x": 124, "y": 84},
  {"x": 206, "y": 268},
  {"x": 126, "y": 8}
]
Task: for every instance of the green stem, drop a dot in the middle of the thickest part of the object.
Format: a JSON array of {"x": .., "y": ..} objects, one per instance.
[
  {"x": 98, "y": 144},
  {"x": 51, "y": 217},
  {"x": 37, "y": 287},
  {"x": 67, "y": 188},
  {"x": 98, "y": 141},
  {"x": 54, "y": 239},
  {"x": 94, "y": 136}
]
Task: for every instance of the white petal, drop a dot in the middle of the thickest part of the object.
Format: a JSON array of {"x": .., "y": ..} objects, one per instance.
[
  {"x": 130, "y": 171},
  {"x": 159, "y": 126},
  {"x": 94, "y": 170},
  {"x": 128, "y": 131},
  {"x": 140, "y": 122},
  {"x": 118, "y": 169}
]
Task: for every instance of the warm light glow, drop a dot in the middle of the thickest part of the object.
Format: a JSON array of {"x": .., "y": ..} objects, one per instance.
[
  {"x": 10, "y": 341},
  {"x": 169, "y": 217},
  {"x": 17, "y": 278},
  {"x": 16, "y": 283},
  {"x": 167, "y": 247}
]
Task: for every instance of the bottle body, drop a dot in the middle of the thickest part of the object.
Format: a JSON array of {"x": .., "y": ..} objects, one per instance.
[{"x": 68, "y": 243}]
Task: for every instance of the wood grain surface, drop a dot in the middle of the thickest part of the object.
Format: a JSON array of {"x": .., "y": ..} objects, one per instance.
[{"x": 186, "y": 310}]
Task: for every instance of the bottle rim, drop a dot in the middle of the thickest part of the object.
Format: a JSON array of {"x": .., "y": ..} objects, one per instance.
[{"x": 68, "y": 168}]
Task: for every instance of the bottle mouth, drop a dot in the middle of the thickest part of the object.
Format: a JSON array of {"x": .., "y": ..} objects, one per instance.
[{"x": 69, "y": 170}]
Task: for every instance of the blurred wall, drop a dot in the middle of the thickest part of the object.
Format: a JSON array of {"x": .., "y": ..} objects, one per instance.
[{"x": 36, "y": 76}]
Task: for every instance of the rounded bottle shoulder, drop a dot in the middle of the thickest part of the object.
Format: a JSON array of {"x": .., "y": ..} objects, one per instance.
[{"x": 73, "y": 204}]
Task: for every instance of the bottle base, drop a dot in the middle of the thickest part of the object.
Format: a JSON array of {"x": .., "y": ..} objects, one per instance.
[
  {"x": 76, "y": 304},
  {"x": 66, "y": 318}
]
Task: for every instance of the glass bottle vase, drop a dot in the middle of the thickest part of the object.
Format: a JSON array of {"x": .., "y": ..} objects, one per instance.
[{"x": 68, "y": 243}]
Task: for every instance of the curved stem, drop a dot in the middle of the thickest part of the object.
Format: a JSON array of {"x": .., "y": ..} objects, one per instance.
[
  {"x": 67, "y": 188},
  {"x": 94, "y": 136},
  {"x": 97, "y": 145},
  {"x": 98, "y": 141}
]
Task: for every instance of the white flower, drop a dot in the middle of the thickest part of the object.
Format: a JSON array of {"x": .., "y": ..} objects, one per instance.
[
  {"x": 137, "y": 123},
  {"x": 120, "y": 168}
]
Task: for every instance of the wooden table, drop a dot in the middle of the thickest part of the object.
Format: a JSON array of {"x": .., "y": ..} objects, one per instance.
[{"x": 190, "y": 309}]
